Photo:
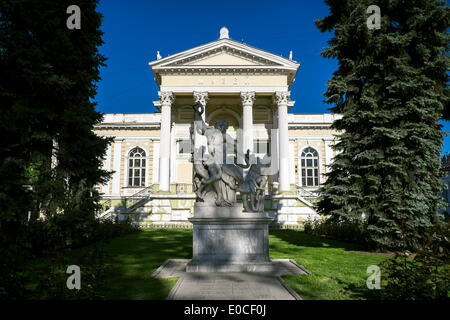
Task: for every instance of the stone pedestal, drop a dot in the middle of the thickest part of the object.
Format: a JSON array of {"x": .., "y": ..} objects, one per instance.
[{"x": 225, "y": 239}]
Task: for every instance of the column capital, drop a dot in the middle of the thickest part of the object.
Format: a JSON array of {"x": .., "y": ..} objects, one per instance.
[
  {"x": 282, "y": 97},
  {"x": 248, "y": 97},
  {"x": 200, "y": 96},
  {"x": 166, "y": 97}
]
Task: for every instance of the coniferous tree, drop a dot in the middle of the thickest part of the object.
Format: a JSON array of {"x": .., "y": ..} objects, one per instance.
[
  {"x": 47, "y": 83},
  {"x": 391, "y": 89}
]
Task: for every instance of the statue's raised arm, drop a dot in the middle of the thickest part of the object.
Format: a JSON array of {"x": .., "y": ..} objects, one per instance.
[
  {"x": 198, "y": 111},
  {"x": 247, "y": 161}
]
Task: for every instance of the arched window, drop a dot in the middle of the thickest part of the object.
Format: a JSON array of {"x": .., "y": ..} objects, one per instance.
[
  {"x": 310, "y": 167},
  {"x": 136, "y": 168}
]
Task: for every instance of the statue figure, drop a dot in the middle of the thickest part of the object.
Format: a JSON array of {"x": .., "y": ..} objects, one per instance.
[
  {"x": 215, "y": 180},
  {"x": 255, "y": 185}
]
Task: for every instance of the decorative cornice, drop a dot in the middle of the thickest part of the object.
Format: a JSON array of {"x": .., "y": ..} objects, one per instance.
[
  {"x": 222, "y": 69},
  {"x": 230, "y": 46},
  {"x": 106, "y": 126},
  {"x": 166, "y": 97},
  {"x": 309, "y": 126},
  {"x": 248, "y": 97},
  {"x": 201, "y": 97},
  {"x": 282, "y": 97}
]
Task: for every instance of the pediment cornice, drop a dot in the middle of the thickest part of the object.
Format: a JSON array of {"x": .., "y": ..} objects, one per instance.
[{"x": 253, "y": 59}]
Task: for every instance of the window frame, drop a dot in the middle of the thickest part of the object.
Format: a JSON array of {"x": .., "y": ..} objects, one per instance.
[
  {"x": 315, "y": 168},
  {"x": 142, "y": 169}
]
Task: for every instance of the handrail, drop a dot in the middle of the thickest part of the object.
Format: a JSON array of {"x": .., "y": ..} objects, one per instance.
[
  {"x": 106, "y": 205},
  {"x": 141, "y": 193},
  {"x": 132, "y": 200},
  {"x": 107, "y": 214},
  {"x": 307, "y": 194}
]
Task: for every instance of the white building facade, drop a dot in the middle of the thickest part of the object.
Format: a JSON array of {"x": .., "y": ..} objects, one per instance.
[{"x": 151, "y": 156}]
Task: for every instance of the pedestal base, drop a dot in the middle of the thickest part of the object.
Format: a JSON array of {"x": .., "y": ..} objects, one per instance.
[{"x": 225, "y": 239}]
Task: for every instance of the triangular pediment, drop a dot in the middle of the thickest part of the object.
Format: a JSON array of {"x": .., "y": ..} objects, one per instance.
[{"x": 224, "y": 53}]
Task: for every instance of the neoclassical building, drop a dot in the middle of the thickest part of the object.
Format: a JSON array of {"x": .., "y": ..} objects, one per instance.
[{"x": 151, "y": 156}]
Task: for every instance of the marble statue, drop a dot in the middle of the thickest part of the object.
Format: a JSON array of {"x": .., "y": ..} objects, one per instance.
[
  {"x": 255, "y": 186},
  {"x": 216, "y": 181}
]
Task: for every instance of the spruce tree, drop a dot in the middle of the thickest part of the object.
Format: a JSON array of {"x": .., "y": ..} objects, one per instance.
[
  {"x": 391, "y": 89},
  {"x": 47, "y": 85}
]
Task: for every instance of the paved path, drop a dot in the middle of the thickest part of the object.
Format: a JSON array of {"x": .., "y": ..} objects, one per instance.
[{"x": 230, "y": 286}]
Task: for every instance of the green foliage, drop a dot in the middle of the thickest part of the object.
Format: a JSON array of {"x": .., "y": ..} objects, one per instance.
[
  {"x": 48, "y": 149},
  {"x": 391, "y": 89},
  {"x": 343, "y": 230},
  {"x": 422, "y": 276},
  {"x": 45, "y": 278},
  {"x": 50, "y": 158},
  {"x": 35, "y": 267}
]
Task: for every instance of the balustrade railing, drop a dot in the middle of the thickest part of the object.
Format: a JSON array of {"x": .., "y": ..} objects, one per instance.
[
  {"x": 132, "y": 202},
  {"x": 306, "y": 194}
]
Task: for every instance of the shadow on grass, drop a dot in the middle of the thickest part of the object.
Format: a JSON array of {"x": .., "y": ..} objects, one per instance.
[
  {"x": 301, "y": 238},
  {"x": 133, "y": 258},
  {"x": 338, "y": 267},
  {"x": 358, "y": 292}
]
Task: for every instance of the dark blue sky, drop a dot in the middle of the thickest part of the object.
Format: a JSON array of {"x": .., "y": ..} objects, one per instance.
[{"x": 135, "y": 29}]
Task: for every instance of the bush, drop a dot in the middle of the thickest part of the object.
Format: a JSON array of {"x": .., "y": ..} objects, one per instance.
[
  {"x": 345, "y": 231},
  {"x": 34, "y": 266},
  {"x": 46, "y": 278},
  {"x": 109, "y": 229},
  {"x": 421, "y": 276}
]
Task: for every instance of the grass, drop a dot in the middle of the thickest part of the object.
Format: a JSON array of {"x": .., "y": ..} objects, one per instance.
[
  {"x": 133, "y": 258},
  {"x": 338, "y": 269}
]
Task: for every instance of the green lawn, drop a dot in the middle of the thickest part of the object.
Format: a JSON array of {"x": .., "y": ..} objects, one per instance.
[{"x": 338, "y": 272}]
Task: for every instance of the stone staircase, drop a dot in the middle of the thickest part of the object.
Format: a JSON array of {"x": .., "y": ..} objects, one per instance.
[{"x": 149, "y": 209}]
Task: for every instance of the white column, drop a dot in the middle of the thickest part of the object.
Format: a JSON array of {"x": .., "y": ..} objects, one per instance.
[
  {"x": 155, "y": 161},
  {"x": 248, "y": 98},
  {"x": 167, "y": 99},
  {"x": 200, "y": 140},
  {"x": 282, "y": 103},
  {"x": 173, "y": 155},
  {"x": 274, "y": 150},
  {"x": 107, "y": 167},
  {"x": 117, "y": 164}
]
